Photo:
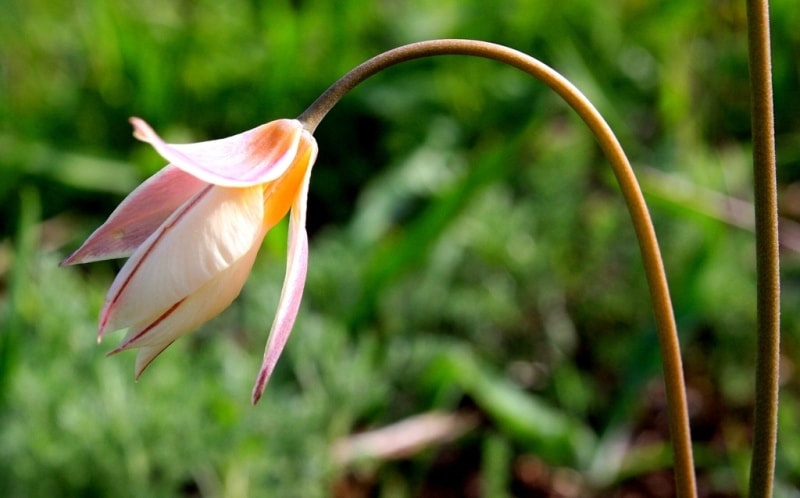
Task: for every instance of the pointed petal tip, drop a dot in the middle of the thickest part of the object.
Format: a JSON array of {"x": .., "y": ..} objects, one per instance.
[
  {"x": 123, "y": 346},
  {"x": 141, "y": 130},
  {"x": 101, "y": 330},
  {"x": 114, "y": 351},
  {"x": 66, "y": 261},
  {"x": 90, "y": 252},
  {"x": 102, "y": 327},
  {"x": 260, "y": 385},
  {"x": 139, "y": 369},
  {"x": 80, "y": 256},
  {"x": 146, "y": 356}
]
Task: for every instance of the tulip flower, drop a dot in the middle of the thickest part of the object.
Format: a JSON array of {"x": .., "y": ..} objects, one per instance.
[{"x": 192, "y": 231}]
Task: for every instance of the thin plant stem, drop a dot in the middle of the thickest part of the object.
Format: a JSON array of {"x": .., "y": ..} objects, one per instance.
[
  {"x": 765, "y": 424},
  {"x": 648, "y": 245}
]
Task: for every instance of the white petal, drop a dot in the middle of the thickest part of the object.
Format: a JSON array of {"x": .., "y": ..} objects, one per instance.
[
  {"x": 206, "y": 235},
  {"x": 189, "y": 314}
]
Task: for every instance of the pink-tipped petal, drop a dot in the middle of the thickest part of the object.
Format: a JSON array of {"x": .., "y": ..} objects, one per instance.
[
  {"x": 292, "y": 292},
  {"x": 286, "y": 314},
  {"x": 255, "y": 156},
  {"x": 138, "y": 216},
  {"x": 205, "y": 236}
]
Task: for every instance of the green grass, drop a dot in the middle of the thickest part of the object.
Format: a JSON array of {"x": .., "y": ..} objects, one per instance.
[{"x": 470, "y": 253}]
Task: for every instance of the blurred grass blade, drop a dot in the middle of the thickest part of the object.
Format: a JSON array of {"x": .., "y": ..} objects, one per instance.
[
  {"x": 691, "y": 200},
  {"x": 20, "y": 285},
  {"x": 397, "y": 255},
  {"x": 79, "y": 171},
  {"x": 526, "y": 419}
]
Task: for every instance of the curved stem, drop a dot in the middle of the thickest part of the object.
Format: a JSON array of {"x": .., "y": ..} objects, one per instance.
[
  {"x": 648, "y": 245},
  {"x": 765, "y": 424}
]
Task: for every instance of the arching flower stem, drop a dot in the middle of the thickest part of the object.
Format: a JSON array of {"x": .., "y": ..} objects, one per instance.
[{"x": 637, "y": 208}]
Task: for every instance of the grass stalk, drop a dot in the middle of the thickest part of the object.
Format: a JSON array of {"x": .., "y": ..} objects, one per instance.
[{"x": 765, "y": 424}]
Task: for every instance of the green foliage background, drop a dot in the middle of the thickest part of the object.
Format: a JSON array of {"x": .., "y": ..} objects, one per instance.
[{"x": 470, "y": 250}]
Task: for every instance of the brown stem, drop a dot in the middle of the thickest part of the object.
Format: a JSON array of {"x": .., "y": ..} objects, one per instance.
[
  {"x": 648, "y": 245},
  {"x": 765, "y": 424}
]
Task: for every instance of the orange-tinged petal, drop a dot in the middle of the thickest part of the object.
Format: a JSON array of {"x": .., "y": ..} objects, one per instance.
[
  {"x": 206, "y": 235},
  {"x": 293, "y": 285},
  {"x": 282, "y": 193},
  {"x": 138, "y": 216},
  {"x": 193, "y": 232},
  {"x": 255, "y": 156}
]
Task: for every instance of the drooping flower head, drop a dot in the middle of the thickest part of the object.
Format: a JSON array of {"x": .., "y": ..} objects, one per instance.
[{"x": 192, "y": 232}]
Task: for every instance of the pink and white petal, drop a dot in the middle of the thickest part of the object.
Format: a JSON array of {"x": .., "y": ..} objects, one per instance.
[
  {"x": 202, "y": 238},
  {"x": 209, "y": 301},
  {"x": 292, "y": 292},
  {"x": 189, "y": 314},
  {"x": 138, "y": 216},
  {"x": 255, "y": 156}
]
